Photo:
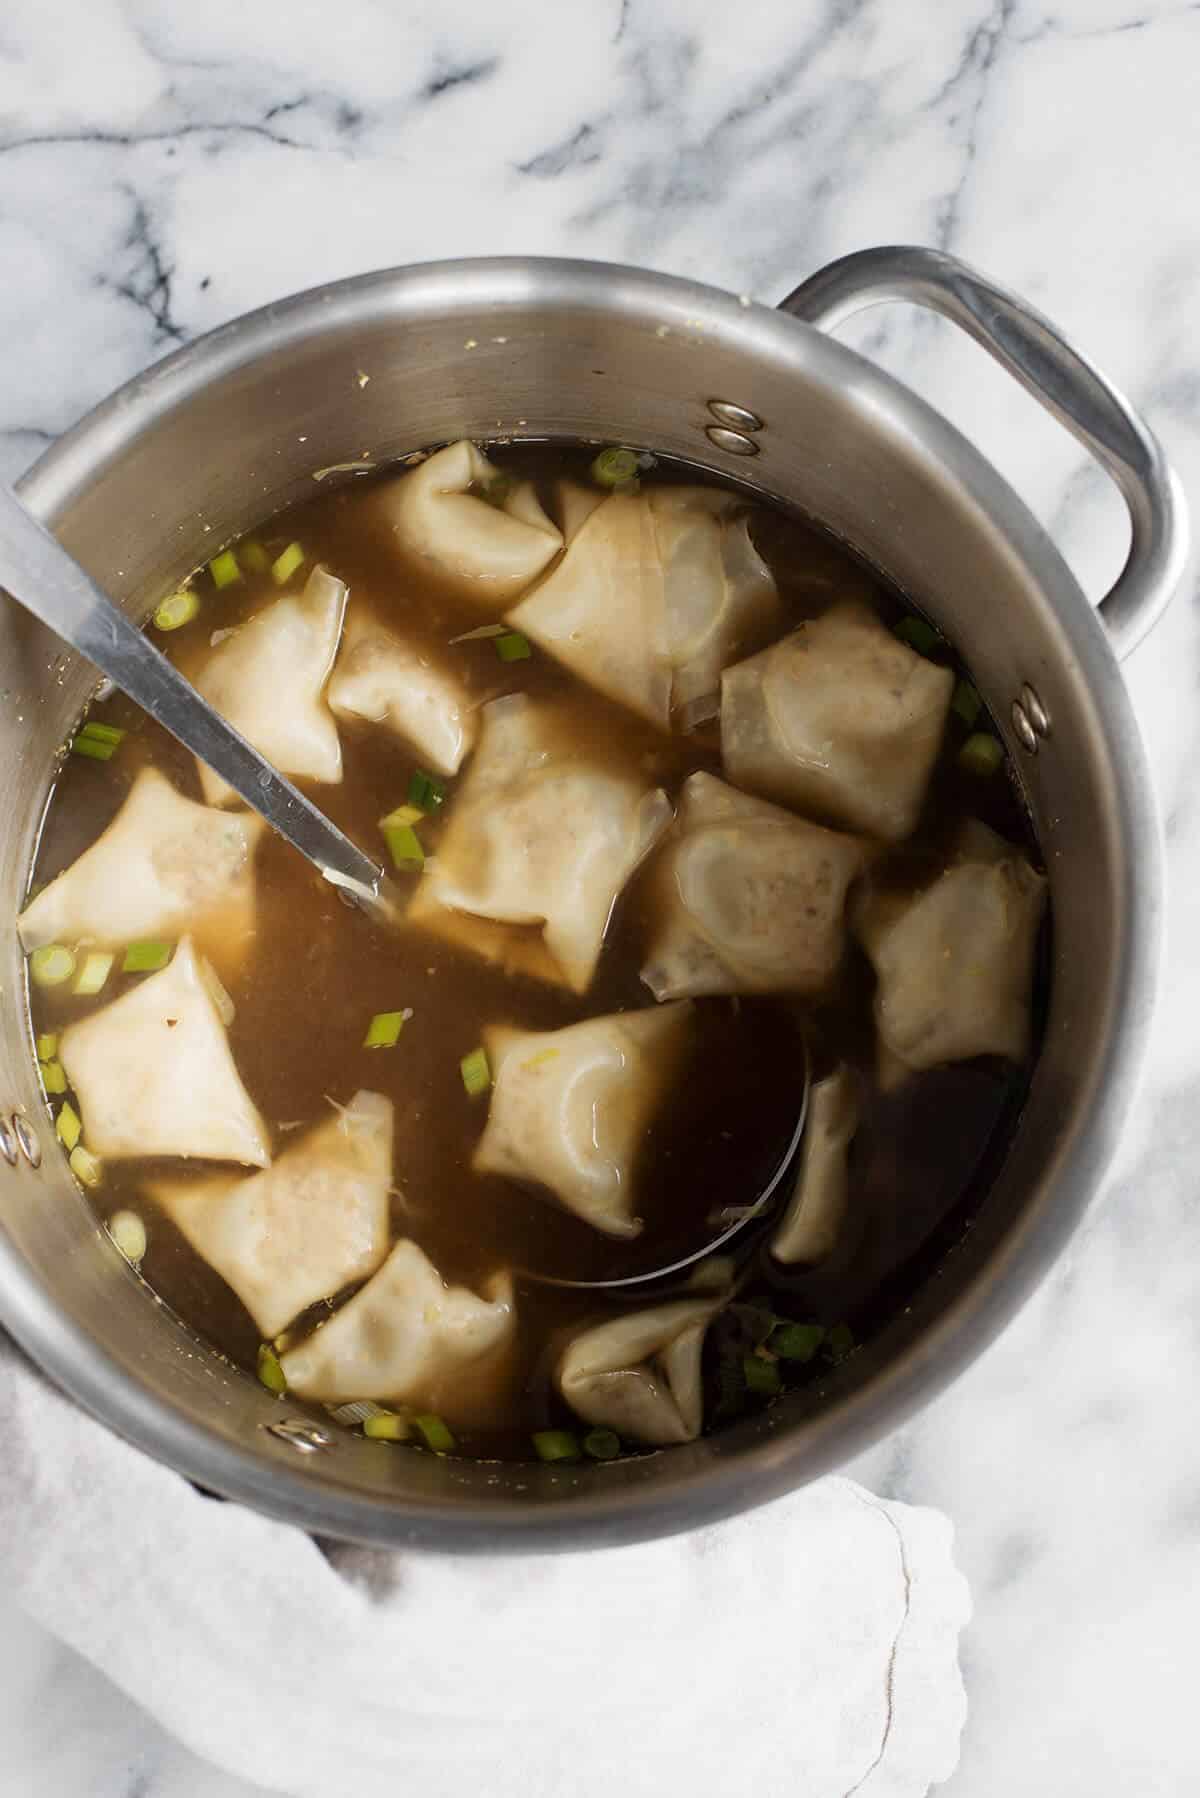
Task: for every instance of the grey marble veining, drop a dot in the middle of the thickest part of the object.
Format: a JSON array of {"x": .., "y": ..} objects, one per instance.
[{"x": 164, "y": 167}]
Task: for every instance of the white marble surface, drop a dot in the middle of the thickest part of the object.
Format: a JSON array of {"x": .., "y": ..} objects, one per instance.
[{"x": 164, "y": 167}]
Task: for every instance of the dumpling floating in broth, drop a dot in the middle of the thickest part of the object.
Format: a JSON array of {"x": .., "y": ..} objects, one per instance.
[
  {"x": 569, "y": 1108},
  {"x": 314, "y": 1222},
  {"x": 268, "y": 681},
  {"x": 155, "y": 1076},
  {"x": 955, "y": 960},
  {"x": 541, "y": 833},
  {"x": 164, "y": 864},
  {"x": 809, "y": 1229},
  {"x": 438, "y": 518},
  {"x": 750, "y": 898},
  {"x": 840, "y": 718},
  {"x": 384, "y": 680},
  {"x": 639, "y": 1372},
  {"x": 408, "y": 1338}
]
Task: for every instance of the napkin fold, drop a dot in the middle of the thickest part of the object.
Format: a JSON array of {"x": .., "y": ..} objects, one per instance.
[{"x": 806, "y": 1649}]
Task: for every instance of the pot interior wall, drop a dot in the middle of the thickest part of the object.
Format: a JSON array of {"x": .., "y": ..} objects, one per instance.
[{"x": 231, "y": 430}]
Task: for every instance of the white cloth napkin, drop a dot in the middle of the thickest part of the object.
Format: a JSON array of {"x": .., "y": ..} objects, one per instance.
[{"x": 808, "y": 1649}]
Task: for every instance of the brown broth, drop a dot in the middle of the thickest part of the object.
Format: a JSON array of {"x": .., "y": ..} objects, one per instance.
[{"x": 318, "y": 971}]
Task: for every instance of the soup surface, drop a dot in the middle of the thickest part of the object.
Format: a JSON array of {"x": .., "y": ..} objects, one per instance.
[{"x": 307, "y": 982}]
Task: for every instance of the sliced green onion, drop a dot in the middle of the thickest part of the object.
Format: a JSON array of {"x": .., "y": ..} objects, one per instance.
[
  {"x": 839, "y": 1342},
  {"x": 426, "y": 793},
  {"x": 51, "y": 965},
  {"x": 796, "y": 1342},
  {"x": 103, "y": 733},
  {"x": 47, "y": 1048},
  {"x": 556, "y": 1445},
  {"x": 513, "y": 647},
  {"x": 284, "y": 566},
  {"x": 270, "y": 1370},
  {"x": 613, "y": 466},
  {"x": 761, "y": 1376},
  {"x": 68, "y": 1126},
  {"x": 918, "y": 634},
  {"x": 254, "y": 556},
  {"x": 966, "y": 703},
  {"x": 97, "y": 966},
  {"x": 95, "y": 748},
  {"x": 480, "y": 633},
  {"x": 981, "y": 754},
  {"x": 87, "y": 1168},
  {"x": 224, "y": 568},
  {"x": 404, "y": 814},
  {"x": 602, "y": 1445},
  {"x": 178, "y": 609},
  {"x": 404, "y": 846},
  {"x": 146, "y": 957},
  {"x": 433, "y": 1433},
  {"x": 476, "y": 1072},
  {"x": 54, "y": 1078},
  {"x": 129, "y": 1233},
  {"x": 383, "y": 1032},
  {"x": 386, "y": 1426}
]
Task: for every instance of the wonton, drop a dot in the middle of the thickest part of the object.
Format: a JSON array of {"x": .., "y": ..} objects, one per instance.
[
  {"x": 839, "y": 717},
  {"x": 750, "y": 898},
  {"x": 304, "y": 1228},
  {"x": 812, "y": 1222},
  {"x": 639, "y": 1372},
  {"x": 569, "y": 1108},
  {"x": 385, "y": 680}
]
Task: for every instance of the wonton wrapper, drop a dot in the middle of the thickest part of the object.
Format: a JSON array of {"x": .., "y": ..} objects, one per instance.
[
  {"x": 751, "y": 899},
  {"x": 469, "y": 546},
  {"x": 311, "y": 1224},
  {"x": 569, "y": 1108},
  {"x": 387, "y": 681},
  {"x": 955, "y": 961},
  {"x": 540, "y": 833},
  {"x": 653, "y": 597},
  {"x": 575, "y": 505},
  {"x": 406, "y": 1337},
  {"x": 809, "y": 1228},
  {"x": 154, "y": 1074},
  {"x": 639, "y": 1373},
  {"x": 267, "y": 680},
  {"x": 163, "y": 864},
  {"x": 840, "y": 717}
]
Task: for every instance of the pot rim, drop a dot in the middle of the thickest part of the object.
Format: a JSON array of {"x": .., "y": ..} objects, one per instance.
[{"x": 854, "y": 1417}]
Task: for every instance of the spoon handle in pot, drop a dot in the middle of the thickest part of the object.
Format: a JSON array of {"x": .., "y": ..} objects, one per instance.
[{"x": 41, "y": 576}]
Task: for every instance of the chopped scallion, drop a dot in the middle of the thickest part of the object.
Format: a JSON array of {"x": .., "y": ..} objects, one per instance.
[
  {"x": 761, "y": 1376},
  {"x": 476, "y": 1072},
  {"x": 103, "y": 733},
  {"x": 284, "y": 566},
  {"x": 68, "y": 1125},
  {"x": 129, "y": 1233},
  {"x": 53, "y": 1078},
  {"x": 796, "y": 1342},
  {"x": 87, "y": 1168},
  {"x": 981, "y": 754},
  {"x": 146, "y": 957},
  {"x": 383, "y": 1032},
  {"x": 602, "y": 1445},
  {"x": 270, "y": 1370},
  {"x": 425, "y": 792},
  {"x": 404, "y": 814},
  {"x": 95, "y": 748},
  {"x": 47, "y": 1048},
  {"x": 51, "y": 965},
  {"x": 97, "y": 966},
  {"x": 556, "y": 1445},
  {"x": 224, "y": 568},
  {"x": 177, "y": 609},
  {"x": 612, "y": 467},
  {"x": 404, "y": 846},
  {"x": 513, "y": 647},
  {"x": 386, "y": 1426},
  {"x": 254, "y": 556},
  {"x": 918, "y": 634},
  {"x": 433, "y": 1433},
  {"x": 839, "y": 1342},
  {"x": 966, "y": 703}
]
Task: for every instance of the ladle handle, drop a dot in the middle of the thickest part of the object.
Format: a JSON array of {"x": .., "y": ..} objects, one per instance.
[
  {"x": 41, "y": 576},
  {"x": 1059, "y": 377}
]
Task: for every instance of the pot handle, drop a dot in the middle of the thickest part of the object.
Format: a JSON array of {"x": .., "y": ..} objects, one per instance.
[{"x": 1056, "y": 374}]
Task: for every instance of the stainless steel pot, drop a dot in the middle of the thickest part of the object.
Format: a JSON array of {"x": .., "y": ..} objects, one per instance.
[{"x": 205, "y": 444}]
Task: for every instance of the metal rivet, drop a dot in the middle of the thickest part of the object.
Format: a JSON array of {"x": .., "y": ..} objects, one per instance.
[
  {"x": 1035, "y": 711},
  {"x": 726, "y": 413},
  {"x": 1025, "y": 733},
  {"x": 731, "y": 441},
  {"x": 8, "y": 1143},
  {"x": 27, "y": 1142},
  {"x": 305, "y": 1437}
]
